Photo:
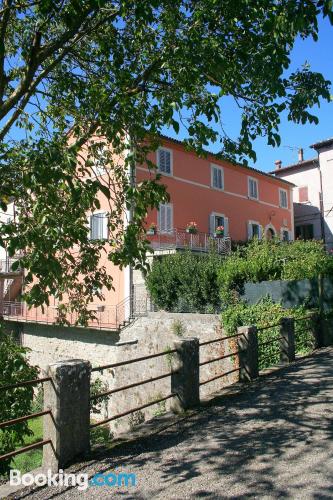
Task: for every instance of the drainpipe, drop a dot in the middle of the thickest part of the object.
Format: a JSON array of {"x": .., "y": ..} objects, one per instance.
[
  {"x": 128, "y": 219},
  {"x": 321, "y": 204}
]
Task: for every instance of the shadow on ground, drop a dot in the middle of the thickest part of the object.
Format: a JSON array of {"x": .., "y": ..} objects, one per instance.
[{"x": 272, "y": 440}]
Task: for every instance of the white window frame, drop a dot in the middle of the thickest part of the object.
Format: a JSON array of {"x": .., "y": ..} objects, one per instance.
[
  {"x": 280, "y": 198},
  {"x": 221, "y": 169},
  {"x": 98, "y": 170},
  {"x": 249, "y": 180},
  {"x": 158, "y": 161},
  {"x": 226, "y": 223},
  {"x": 251, "y": 223},
  {"x": 105, "y": 228},
  {"x": 160, "y": 226}
]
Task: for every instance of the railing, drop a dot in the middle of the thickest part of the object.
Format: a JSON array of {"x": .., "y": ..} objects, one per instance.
[
  {"x": 180, "y": 239},
  {"x": 6, "y": 265},
  {"x": 25, "y": 418},
  {"x": 184, "y": 375},
  {"x": 105, "y": 316},
  {"x": 134, "y": 384}
]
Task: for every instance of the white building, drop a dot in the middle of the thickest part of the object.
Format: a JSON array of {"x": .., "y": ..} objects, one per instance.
[{"x": 313, "y": 192}]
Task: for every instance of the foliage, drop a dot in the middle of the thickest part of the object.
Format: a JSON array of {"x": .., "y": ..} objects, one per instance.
[
  {"x": 101, "y": 435},
  {"x": 264, "y": 314},
  {"x": 118, "y": 69},
  {"x": 30, "y": 460},
  {"x": 185, "y": 282},
  {"x": 178, "y": 328},
  {"x": 98, "y": 387},
  {"x": 15, "y": 402},
  {"x": 263, "y": 260}
]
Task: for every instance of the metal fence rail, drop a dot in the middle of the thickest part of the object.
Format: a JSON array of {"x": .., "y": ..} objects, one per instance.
[
  {"x": 25, "y": 418},
  {"x": 132, "y": 410}
]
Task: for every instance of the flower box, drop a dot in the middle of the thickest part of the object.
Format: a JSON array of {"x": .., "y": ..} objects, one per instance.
[
  {"x": 192, "y": 228},
  {"x": 219, "y": 232},
  {"x": 151, "y": 232}
]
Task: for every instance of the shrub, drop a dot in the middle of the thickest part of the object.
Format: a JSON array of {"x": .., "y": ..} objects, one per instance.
[
  {"x": 263, "y": 260},
  {"x": 185, "y": 282},
  {"x": 15, "y": 402},
  {"x": 267, "y": 313}
]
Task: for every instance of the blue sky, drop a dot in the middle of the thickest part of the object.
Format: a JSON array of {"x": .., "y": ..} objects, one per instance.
[{"x": 293, "y": 136}]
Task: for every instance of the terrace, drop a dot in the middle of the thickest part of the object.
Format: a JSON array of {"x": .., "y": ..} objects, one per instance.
[{"x": 180, "y": 239}]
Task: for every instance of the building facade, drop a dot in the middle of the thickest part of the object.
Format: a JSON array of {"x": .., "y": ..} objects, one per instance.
[
  {"x": 313, "y": 193},
  {"x": 226, "y": 202}
]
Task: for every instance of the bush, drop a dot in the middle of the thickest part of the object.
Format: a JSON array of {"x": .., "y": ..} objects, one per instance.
[
  {"x": 15, "y": 402},
  {"x": 185, "y": 282},
  {"x": 267, "y": 313},
  {"x": 263, "y": 260}
]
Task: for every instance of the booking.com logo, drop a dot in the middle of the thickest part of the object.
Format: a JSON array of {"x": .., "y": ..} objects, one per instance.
[{"x": 81, "y": 481}]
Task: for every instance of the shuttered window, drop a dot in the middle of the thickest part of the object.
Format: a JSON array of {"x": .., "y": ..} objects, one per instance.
[
  {"x": 254, "y": 230},
  {"x": 217, "y": 220},
  {"x": 217, "y": 180},
  {"x": 98, "y": 226},
  {"x": 303, "y": 194},
  {"x": 165, "y": 218},
  {"x": 283, "y": 198},
  {"x": 253, "y": 188},
  {"x": 164, "y": 161}
]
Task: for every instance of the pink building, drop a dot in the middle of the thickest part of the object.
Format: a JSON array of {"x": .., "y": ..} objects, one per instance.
[{"x": 213, "y": 193}]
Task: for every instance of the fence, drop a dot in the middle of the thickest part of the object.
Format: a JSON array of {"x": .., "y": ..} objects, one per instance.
[{"x": 67, "y": 398}]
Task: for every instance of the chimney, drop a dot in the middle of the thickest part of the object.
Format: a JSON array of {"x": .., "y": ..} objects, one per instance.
[
  {"x": 278, "y": 164},
  {"x": 300, "y": 154}
]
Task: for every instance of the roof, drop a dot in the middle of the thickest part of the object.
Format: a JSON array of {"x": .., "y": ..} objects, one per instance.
[
  {"x": 322, "y": 144},
  {"x": 295, "y": 166},
  {"x": 251, "y": 169}
]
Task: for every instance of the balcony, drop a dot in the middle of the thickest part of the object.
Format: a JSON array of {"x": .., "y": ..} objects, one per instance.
[
  {"x": 6, "y": 267},
  {"x": 103, "y": 316},
  {"x": 179, "y": 239}
]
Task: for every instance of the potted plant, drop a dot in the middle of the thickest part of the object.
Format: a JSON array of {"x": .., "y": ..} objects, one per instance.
[
  {"x": 192, "y": 228},
  {"x": 219, "y": 232},
  {"x": 152, "y": 229}
]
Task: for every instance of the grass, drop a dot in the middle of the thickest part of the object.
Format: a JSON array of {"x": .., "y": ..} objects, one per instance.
[{"x": 31, "y": 459}]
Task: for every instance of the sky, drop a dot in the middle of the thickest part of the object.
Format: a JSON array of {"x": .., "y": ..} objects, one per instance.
[{"x": 293, "y": 136}]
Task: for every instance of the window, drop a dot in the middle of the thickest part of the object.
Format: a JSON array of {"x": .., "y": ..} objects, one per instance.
[
  {"x": 254, "y": 230},
  {"x": 283, "y": 198},
  {"x": 304, "y": 232},
  {"x": 164, "y": 161},
  {"x": 285, "y": 235},
  {"x": 165, "y": 218},
  {"x": 217, "y": 177},
  {"x": 253, "y": 188},
  {"x": 99, "y": 167},
  {"x": 98, "y": 226},
  {"x": 303, "y": 194},
  {"x": 218, "y": 220}
]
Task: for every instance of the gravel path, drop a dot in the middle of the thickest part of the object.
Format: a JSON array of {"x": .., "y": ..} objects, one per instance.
[{"x": 273, "y": 440}]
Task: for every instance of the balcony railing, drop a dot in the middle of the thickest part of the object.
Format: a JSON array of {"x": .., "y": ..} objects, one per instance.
[
  {"x": 105, "y": 316},
  {"x": 6, "y": 265},
  {"x": 180, "y": 239}
]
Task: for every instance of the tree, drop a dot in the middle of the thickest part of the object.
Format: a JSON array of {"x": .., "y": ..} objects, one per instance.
[
  {"x": 121, "y": 70},
  {"x": 15, "y": 402}
]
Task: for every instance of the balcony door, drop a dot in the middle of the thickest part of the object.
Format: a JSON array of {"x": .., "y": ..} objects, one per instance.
[{"x": 165, "y": 218}]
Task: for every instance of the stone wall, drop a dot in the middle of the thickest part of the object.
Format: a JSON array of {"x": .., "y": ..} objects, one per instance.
[{"x": 146, "y": 335}]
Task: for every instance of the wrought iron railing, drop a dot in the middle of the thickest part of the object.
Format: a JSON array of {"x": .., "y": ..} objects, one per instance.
[
  {"x": 181, "y": 239},
  {"x": 104, "y": 316}
]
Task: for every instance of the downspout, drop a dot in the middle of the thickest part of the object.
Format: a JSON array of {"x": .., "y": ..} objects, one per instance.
[
  {"x": 128, "y": 219},
  {"x": 321, "y": 203}
]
